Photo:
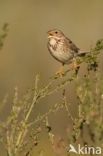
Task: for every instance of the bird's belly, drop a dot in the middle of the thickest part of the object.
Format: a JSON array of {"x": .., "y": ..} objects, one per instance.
[{"x": 61, "y": 56}]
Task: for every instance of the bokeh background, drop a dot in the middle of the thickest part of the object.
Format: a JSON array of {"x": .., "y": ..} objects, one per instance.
[{"x": 25, "y": 52}]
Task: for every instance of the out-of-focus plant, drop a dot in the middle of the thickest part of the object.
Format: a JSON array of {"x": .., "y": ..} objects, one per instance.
[
  {"x": 19, "y": 133},
  {"x": 3, "y": 34}
]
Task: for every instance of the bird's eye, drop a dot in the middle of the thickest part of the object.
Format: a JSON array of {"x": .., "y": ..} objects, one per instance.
[{"x": 56, "y": 32}]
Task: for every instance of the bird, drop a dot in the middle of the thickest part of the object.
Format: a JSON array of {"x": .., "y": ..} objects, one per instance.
[{"x": 63, "y": 49}]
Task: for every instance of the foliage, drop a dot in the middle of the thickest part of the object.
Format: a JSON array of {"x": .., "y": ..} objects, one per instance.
[
  {"x": 3, "y": 35},
  {"x": 19, "y": 133}
]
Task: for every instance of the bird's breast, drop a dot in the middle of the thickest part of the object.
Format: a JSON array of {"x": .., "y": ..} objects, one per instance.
[{"x": 57, "y": 50}]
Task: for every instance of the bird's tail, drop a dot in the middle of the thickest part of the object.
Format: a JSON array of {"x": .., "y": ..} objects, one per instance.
[{"x": 83, "y": 53}]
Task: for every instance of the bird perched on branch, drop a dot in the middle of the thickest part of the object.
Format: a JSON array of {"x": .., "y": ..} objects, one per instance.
[{"x": 63, "y": 49}]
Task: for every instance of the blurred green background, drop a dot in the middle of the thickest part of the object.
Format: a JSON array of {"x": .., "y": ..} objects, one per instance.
[{"x": 25, "y": 52}]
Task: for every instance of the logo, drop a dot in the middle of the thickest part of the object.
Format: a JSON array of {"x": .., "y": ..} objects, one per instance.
[{"x": 84, "y": 149}]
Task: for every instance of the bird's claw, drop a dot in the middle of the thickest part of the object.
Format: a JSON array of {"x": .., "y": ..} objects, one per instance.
[{"x": 60, "y": 74}]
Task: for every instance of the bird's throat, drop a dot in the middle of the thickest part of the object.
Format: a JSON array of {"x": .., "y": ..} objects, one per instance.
[{"x": 52, "y": 41}]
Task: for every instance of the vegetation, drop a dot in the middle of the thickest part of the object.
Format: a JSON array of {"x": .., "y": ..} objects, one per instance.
[{"x": 19, "y": 133}]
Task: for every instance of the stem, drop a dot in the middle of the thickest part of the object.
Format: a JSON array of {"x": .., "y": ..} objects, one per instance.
[{"x": 24, "y": 130}]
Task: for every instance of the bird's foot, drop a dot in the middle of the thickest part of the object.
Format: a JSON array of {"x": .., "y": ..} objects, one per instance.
[
  {"x": 60, "y": 73},
  {"x": 75, "y": 66}
]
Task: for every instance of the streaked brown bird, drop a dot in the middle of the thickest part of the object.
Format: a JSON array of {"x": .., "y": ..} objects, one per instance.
[{"x": 62, "y": 48}]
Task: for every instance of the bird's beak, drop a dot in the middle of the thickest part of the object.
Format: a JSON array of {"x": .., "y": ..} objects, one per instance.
[{"x": 49, "y": 34}]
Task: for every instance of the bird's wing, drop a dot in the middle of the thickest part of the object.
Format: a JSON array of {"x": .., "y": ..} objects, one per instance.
[
  {"x": 71, "y": 45},
  {"x": 74, "y": 49}
]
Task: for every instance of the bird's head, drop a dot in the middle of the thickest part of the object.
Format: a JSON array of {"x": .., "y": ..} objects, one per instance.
[{"x": 55, "y": 33}]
